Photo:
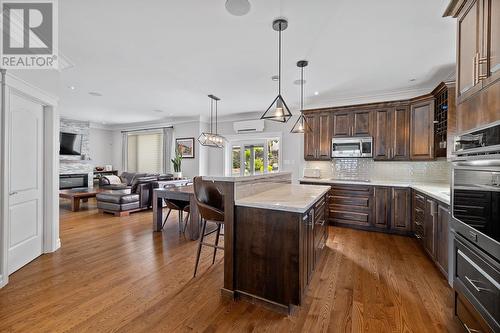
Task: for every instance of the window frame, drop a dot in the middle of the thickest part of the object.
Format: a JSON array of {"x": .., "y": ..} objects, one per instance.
[{"x": 249, "y": 139}]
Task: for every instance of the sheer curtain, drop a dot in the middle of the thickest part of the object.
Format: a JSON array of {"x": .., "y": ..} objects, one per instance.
[{"x": 148, "y": 150}]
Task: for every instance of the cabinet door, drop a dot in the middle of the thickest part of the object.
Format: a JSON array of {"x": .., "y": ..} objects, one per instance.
[
  {"x": 382, "y": 134},
  {"x": 401, "y": 208},
  {"x": 382, "y": 207},
  {"x": 422, "y": 130},
  {"x": 310, "y": 137},
  {"x": 430, "y": 223},
  {"x": 400, "y": 124},
  {"x": 342, "y": 124},
  {"x": 361, "y": 123},
  {"x": 468, "y": 47},
  {"x": 443, "y": 218},
  {"x": 324, "y": 137},
  {"x": 494, "y": 38}
]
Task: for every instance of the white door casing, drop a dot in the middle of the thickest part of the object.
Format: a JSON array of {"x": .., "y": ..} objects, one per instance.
[{"x": 25, "y": 181}]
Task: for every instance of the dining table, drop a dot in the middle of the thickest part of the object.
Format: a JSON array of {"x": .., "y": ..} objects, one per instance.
[{"x": 182, "y": 193}]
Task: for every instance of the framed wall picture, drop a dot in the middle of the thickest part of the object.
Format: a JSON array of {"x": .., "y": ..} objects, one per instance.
[{"x": 185, "y": 146}]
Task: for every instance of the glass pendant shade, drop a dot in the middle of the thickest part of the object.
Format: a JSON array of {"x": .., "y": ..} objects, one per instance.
[
  {"x": 301, "y": 125},
  {"x": 277, "y": 111},
  {"x": 211, "y": 139}
]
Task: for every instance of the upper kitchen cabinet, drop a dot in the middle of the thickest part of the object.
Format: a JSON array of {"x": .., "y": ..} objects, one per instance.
[
  {"x": 445, "y": 124},
  {"x": 478, "y": 61},
  {"x": 351, "y": 123},
  {"x": 422, "y": 129},
  {"x": 391, "y": 134},
  {"x": 317, "y": 141}
]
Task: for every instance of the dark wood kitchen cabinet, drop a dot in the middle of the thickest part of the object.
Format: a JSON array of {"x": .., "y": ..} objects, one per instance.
[
  {"x": 382, "y": 207},
  {"x": 391, "y": 134},
  {"x": 430, "y": 223},
  {"x": 478, "y": 61},
  {"x": 351, "y": 123},
  {"x": 401, "y": 210},
  {"x": 422, "y": 129},
  {"x": 317, "y": 141},
  {"x": 430, "y": 220},
  {"x": 350, "y": 205},
  {"x": 443, "y": 218}
]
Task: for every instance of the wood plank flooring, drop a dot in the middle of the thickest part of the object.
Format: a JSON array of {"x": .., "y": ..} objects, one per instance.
[{"x": 115, "y": 274}]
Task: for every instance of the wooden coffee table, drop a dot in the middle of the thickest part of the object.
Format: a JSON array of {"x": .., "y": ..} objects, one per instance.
[{"x": 77, "y": 194}]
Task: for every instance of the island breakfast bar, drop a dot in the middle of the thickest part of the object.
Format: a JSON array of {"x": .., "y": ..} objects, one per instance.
[{"x": 274, "y": 233}]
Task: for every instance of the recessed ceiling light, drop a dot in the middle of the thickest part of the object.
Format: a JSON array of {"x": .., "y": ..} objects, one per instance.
[
  {"x": 316, "y": 93},
  {"x": 71, "y": 87},
  {"x": 238, "y": 7},
  {"x": 275, "y": 77},
  {"x": 95, "y": 93},
  {"x": 299, "y": 81}
]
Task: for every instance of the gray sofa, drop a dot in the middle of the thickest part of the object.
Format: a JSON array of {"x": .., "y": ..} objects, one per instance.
[{"x": 135, "y": 193}]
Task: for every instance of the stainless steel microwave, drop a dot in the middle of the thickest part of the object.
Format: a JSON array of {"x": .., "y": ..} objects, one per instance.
[{"x": 352, "y": 147}]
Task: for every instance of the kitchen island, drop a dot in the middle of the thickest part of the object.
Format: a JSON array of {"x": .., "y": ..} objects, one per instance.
[{"x": 274, "y": 235}]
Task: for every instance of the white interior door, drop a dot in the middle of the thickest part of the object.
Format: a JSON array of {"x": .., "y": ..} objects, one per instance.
[{"x": 25, "y": 181}]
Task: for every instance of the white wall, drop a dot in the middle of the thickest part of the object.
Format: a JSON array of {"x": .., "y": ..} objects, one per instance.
[
  {"x": 101, "y": 146},
  {"x": 190, "y": 166}
]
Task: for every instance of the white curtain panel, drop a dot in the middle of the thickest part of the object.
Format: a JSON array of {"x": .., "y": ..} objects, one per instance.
[
  {"x": 124, "y": 151},
  {"x": 168, "y": 134}
]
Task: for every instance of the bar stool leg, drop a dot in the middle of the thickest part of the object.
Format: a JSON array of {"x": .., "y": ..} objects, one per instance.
[
  {"x": 216, "y": 242},
  {"x": 186, "y": 219},
  {"x": 202, "y": 236},
  {"x": 166, "y": 218},
  {"x": 180, "y": 221}
]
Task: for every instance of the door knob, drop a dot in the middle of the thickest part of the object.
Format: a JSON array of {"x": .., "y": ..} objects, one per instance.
[{"x": 13, "y": 193}]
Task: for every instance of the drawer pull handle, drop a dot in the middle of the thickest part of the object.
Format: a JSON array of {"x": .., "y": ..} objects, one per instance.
[
  {"x": 418, "y": 236},
  {"x": 471, "y": 330},
  {"x": 473, "y": 283}
]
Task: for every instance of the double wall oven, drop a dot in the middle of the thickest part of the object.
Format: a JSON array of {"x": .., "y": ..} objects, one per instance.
[{"x": 475, "y": 211}]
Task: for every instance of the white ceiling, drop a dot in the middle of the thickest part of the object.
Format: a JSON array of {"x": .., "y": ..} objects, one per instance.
[{"x": 168, "y": 55}]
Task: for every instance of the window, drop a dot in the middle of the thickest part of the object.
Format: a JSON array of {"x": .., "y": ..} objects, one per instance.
[
  {"x": 145, "y": 152},
  {"x": 254, "y": 156}
]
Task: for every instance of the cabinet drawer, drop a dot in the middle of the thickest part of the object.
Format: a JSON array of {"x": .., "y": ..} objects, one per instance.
[
  {"x": 419, "y": 215},
  {"x": 350, "y": 201},
  {"x": 468, "y": 316},
  {"x": 351, "y": 190},
  {"x": 479, "y": 277},
  {"x": 419, "y": 200},
  {"x": 358, "y": 218}
]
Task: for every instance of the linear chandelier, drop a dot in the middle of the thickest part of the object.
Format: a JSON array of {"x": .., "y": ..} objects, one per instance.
[{"x": 211, "y": 139}]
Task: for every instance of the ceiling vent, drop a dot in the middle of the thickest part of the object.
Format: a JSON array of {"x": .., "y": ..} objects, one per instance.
[{"x": 248, "y": 126}]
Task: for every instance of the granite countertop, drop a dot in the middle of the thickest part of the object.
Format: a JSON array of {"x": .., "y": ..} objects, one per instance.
[
  {"x": 285, "y": 197},
  {"x": 235, "y": 179},
  {"x": 438, "y": 191}
]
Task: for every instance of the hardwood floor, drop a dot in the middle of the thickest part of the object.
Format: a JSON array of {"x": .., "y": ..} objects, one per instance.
[{"x": 115, "y": 274}]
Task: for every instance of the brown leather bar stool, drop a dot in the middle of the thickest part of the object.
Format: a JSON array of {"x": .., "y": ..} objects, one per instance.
[
  {"x": 181, "y": 207},
  {"x": 210, "y": 204}
]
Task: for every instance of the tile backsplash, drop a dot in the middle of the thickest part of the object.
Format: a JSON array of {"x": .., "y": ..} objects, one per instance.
[{"x": 360, "y": 168}]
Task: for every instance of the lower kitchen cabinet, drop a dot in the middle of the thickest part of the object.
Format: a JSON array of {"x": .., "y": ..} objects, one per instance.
[
  {"x": 430, "y": 219},
  {"x": 443, "y": 220},
  {"x": 379, "y": 208},
  {"x": 382, "y": 215},
  {"x": 401, "y": 209}
]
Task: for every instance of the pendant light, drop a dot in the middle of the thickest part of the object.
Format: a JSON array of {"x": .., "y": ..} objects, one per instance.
[
  {"x": 278, "y": 110},
  {"x": 211, "y": 139},
  {"x": 301, "y": 124}
]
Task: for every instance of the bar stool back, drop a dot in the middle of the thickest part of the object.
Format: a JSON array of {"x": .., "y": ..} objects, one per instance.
[{"x": 210, "y": 204}]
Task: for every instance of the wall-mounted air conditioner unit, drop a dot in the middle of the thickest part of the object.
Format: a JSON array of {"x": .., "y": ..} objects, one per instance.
[{"x": 248, "y": 126}]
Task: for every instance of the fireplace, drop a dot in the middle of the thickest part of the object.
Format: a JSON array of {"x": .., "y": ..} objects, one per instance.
[{"x": 73, "y": 180}]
